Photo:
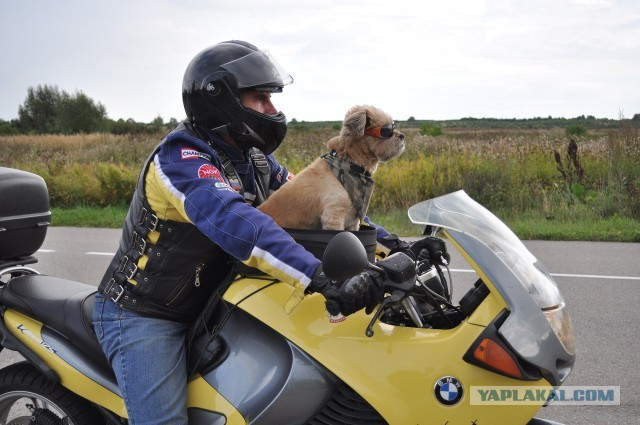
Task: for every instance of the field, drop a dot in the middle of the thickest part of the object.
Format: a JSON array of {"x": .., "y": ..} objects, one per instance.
[{"x": 537, "y": 180}]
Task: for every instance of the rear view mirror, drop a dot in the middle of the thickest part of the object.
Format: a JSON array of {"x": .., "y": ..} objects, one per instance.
[{"x": 344, "y": 257}]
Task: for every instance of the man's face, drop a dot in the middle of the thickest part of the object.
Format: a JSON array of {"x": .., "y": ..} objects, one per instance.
[{"x": 258, "y": 101}]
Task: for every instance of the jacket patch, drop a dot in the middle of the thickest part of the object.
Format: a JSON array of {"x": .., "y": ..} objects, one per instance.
[
  {"x": 223, "y": 186},
  {"x": 186, "y": 153},
  {"x": 336, "y": 319},
  {"x": 208, "y": 171},
  {"x": 280, "y": 176}
]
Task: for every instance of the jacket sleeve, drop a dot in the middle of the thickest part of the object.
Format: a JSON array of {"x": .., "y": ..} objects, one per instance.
[
  {"x": 191, "y": 178},
  {"x": 382, "y": 234},
  {"x": 279, "y": 174}
]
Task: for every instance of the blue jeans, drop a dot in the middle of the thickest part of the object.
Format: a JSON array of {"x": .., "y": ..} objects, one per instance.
[{"x": 149, "y": 359}]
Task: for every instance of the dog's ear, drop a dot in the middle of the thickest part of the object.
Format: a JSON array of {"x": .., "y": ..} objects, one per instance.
[{"x": 355, "y": 122}]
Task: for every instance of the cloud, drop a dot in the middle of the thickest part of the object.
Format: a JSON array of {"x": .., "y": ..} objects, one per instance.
[{"x": 436, "y": 59}]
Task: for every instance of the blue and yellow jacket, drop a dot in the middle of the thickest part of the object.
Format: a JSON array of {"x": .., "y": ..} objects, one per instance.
[
  {"x": 187, "y": 183},
  {"x": 188, "y": 221}
]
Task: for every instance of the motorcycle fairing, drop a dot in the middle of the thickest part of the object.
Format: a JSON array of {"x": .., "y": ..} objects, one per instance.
[
  {"x": 496, "y": 253},
  {"x": 525, "y": 330},
  {"x": 264, "y": 372},
  {"x": 30, "y": 332},
  {"x": 396, "y": 369}
]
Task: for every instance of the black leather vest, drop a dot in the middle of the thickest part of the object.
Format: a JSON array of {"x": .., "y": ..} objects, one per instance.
[{"x": 183, "y": 269}]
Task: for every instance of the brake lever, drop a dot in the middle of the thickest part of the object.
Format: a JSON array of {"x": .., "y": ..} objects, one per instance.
[
  {"x": 395, "y": 297},
  {"x": 399, "y": 271}
]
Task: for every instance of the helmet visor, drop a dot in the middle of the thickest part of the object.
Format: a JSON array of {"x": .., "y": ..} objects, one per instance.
[{"x": 258, "y": 70}]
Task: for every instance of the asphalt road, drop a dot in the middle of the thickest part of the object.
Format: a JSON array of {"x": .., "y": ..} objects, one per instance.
[{"x": 600, "y": 282}]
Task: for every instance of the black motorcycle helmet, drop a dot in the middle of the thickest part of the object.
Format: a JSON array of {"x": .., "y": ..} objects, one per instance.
[{"x": 211, "y": 93}]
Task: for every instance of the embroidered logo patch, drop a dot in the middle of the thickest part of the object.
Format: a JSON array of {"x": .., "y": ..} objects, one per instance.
[
  {"x": 222, "y": 186},
  {"x": 290, "y": 176},
  {"x": 336, "y": 319},
  {"x": 208, "y": 171},
  {"x": 186, "y": 153}
]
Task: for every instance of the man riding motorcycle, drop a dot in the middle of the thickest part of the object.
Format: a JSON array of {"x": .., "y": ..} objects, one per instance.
[{"x": 191, "y": 214}]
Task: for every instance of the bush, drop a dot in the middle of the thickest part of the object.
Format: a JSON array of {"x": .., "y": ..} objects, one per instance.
[
  {"x": 575, "y": 130},
  {"x": 7, "y": 129},
  {"x": 430, "y": 130},
  {"x": 117, "y": 183}
]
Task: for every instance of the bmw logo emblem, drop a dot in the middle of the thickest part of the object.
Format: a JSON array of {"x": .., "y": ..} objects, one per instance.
[{"x": 448, "y": 390}]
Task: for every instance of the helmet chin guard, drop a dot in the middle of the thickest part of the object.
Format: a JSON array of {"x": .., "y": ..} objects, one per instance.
[
  {"x": 249, "y": 138},
  {"x": 211, "y": 93}
]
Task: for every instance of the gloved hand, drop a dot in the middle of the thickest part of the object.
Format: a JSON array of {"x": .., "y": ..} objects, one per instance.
[
  {"x": 361, "y": 291},
  {"x": 436, "y": 250}
]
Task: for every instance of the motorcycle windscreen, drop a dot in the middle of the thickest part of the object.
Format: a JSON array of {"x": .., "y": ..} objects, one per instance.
[{"x": 521, "y": 279}]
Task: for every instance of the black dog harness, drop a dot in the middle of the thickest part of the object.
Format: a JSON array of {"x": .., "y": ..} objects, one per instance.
[{"x": 355, "y": 179}]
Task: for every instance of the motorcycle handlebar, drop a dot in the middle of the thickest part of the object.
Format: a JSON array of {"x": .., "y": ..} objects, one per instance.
[
  {"x": 353, "y": 287},
  {"x": 397, "y": 276}
]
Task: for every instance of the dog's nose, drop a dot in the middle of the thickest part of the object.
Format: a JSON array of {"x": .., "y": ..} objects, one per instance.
[{"x": 401, "y": 136}]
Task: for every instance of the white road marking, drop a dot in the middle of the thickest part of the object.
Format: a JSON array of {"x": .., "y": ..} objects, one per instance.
[
  {"x": 584, "y": 276},
  {"x": 594, "y": 276}
]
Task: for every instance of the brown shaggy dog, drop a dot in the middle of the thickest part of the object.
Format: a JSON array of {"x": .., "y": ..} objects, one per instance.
[{"x": 334, "y": 191}]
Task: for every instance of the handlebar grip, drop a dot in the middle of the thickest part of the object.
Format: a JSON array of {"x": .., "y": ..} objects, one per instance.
[
  {"x": 424, "y": 254},
  {"x": 332, "y": 307}
]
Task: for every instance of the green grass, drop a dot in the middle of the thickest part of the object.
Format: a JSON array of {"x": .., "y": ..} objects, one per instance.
[
  {"x": 108, "y": 217},
  {"x": 527, "y": 226},
  {"x": 534, "y": 226},
  {"x": 618, "y": 229}
]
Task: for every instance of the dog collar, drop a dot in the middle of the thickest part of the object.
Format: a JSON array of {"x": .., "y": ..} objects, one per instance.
[
  {"x": 355, "y": 179},
  {"x": 355, "y": 167}
]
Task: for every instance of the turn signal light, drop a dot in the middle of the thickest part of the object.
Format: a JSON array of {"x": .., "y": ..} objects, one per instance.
[{"x": 496, "y": 357}]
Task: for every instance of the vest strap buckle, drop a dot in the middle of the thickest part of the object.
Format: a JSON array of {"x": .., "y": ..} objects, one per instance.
[
  {"x": 150, "y": 220},
  {"x": 112, "y": 291},
  {"x": 118, "y": 293},
  {"x": 128, "y": 267},
  {"x": 138, "y": 243}
]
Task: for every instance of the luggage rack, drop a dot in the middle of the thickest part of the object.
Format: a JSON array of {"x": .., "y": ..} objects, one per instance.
[{"x": 16, "y": 267}]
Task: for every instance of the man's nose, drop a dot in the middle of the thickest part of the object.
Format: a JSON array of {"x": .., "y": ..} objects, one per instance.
[{"x": 270, "y": 108}]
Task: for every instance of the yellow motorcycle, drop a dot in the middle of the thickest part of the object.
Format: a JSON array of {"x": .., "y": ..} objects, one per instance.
[{"x": 420, "y": 358}]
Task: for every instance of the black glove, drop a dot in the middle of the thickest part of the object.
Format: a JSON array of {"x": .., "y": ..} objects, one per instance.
[
  {"x": 346, "y": 297},
  {"x": 431, "y": 248}
]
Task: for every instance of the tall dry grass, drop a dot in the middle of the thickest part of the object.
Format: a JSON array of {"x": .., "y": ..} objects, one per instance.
[
  {"x": 86, "y": 169},
  {"x": 510, "y": 171}
]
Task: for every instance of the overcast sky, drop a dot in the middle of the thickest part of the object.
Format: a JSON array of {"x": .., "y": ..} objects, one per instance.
[{"x": 427, "y": 59}]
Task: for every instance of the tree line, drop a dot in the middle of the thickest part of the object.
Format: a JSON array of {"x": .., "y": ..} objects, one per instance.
[{"x": 49, "y": 110}]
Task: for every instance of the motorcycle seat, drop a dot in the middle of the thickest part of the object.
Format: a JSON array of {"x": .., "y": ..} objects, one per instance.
[{"x": 62, "y": 305}]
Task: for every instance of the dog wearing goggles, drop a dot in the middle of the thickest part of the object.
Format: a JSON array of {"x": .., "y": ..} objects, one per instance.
[{"x": 333, "y": 192}]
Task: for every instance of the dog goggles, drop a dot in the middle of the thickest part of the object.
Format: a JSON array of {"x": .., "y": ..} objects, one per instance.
[{"x": 381, "y": 132}]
